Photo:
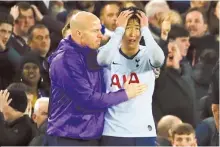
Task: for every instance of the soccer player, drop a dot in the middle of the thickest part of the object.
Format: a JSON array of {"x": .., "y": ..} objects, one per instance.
[{"x": 131, "y": 122}]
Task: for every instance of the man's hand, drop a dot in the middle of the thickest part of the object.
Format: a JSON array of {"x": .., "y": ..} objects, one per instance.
[
  {"x": 39, "y": 15},
  {"x": 122, "y": 19},
  {"x": 134, "y": 89},
  {"x": 4, "y": 102},
  {"x": 143, "y": 18},
  {"x": 2, "y": 46},
  {"x": 174, "y": 56},
  {"x": 14, "y": 12}
]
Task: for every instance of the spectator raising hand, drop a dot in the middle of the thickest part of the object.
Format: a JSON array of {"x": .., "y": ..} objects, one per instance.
[
  {"x": 14, "y": 12},
  {"x": 4, "y": 101},
  {"x": 174, "y": 56}
]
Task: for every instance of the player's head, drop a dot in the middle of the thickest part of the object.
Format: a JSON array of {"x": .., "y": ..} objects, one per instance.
[
  {"x": 86, "y": 29},
  {"x": 183, "y": 135},
  {"x": 132, "y": 33}
]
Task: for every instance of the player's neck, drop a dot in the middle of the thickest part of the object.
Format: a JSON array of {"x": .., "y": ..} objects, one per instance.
[{"x": 129, "y": 51}]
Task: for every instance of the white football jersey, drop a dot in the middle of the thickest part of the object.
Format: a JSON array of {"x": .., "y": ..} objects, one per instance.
[{"x": 134, "y": 117}]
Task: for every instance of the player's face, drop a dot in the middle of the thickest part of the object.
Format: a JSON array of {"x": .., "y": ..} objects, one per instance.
[{"x": 132, "y": 34}]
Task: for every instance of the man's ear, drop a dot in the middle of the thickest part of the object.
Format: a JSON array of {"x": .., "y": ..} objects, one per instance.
[{"x": 34, "y": 117}]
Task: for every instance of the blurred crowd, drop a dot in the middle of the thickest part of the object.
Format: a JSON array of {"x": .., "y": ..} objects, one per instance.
[{"x": 185, "y": 99}]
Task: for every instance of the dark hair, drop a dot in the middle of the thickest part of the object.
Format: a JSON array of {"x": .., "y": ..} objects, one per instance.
[
  {"x": 24, "y": 5},
  {"x": 19, "y": 86},
  {"x": 105, "y": 3},
  {"x": 135, "y": 11},
  {"x": 202, "y": 11},
  {"x": 177, "y": 31},
  {"x": 6, "y": 18},
  {"x": 182, "y": 129},
  {"x": 31, "y": 30}
]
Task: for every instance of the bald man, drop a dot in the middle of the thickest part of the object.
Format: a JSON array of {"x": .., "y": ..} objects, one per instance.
[
  {"x": 77, "y": 104},
  {"x": 164, "y": 129}
]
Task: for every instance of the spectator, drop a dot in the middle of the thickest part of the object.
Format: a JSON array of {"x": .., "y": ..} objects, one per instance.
[
  {"x": 56, "y": 7},
  {"x": 164, "y": 129},
  {"x": 196, "y": 24},
  {"x": 205, "y": 104},
  {"x": 7, "y": 64},
  {"x": 183, "y": 135},
  {"x": 207, "y": 131},
  {"x": 27, "y": 90},
  {"x": 153, "y": 10},
  {"x": 39, "y": 42},
  {"x": 30, "y": 73},
  {"x": 40, "y": 118},
  {"x": 108, "y": 16},
  {"x": 24, "y": 21},
  {"x": 174, "y": 85},
  {"x": 201, "y": 72},
  {"x": 17, "y": 131}
]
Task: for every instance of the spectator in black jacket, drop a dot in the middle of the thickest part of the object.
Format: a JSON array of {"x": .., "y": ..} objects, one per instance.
[
  {"x": 39, "y": 42},
  {"x": 174, "y": 94},
  {"x": 208, "y": 130},
  {"x": 200, "y": 39},
  {"x": 201, "y": 72},
  {"x": 16, "y": 128},
  {"x": 7, "y": 57}
]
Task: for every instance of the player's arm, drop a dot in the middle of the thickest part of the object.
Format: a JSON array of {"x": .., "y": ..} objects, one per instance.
[
  {"x": 155, "y": 53},
  {"x": 107, "y": 52}
]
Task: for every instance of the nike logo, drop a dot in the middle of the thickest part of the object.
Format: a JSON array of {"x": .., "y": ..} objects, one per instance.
[{"x": 115, "y": 63}]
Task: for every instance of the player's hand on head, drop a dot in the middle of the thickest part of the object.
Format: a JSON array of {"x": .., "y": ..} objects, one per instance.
[
  {"x": 134, "y": 89},
  {"x": 123, "y": 17},
  {"x": 143, "y": 18}
]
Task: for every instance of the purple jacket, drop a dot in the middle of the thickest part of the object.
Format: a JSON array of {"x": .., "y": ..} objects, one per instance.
[{"x": 77, "y": 104}]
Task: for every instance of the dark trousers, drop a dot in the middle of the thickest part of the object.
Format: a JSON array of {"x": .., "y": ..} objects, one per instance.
[
  {"x": 127, "y": 141},
  {"x": 61, "y": 141}
]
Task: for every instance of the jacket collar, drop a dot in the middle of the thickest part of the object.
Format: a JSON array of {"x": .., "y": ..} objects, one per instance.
[{"x": 89, "y": 54}]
